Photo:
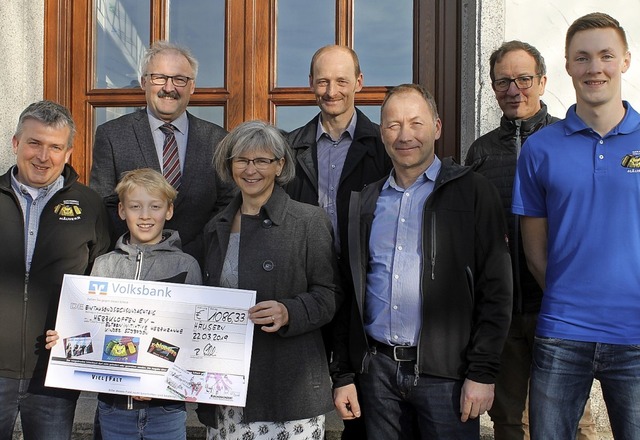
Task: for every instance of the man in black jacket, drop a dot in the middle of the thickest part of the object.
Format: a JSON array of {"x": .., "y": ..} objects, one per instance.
[
  {"x": 518, "y": 78},
  {"x": 337, "y": 152},
  {"x": 432, "y": 281},
  {"x": 51, "y": 225}
]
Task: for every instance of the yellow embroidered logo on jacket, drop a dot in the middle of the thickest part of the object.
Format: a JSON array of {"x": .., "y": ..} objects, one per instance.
[{"x": 68, "y": 210}]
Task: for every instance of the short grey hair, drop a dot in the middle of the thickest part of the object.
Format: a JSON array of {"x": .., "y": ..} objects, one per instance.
[
  {"x": 406, "y": 88},
  {"x": 253, "y": 136},
  {"x": 50, "y": 114},
  {"x": 162, "y": 46}
]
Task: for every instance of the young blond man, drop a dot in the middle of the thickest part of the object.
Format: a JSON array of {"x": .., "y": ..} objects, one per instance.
[{"x": 576, "y": 189}]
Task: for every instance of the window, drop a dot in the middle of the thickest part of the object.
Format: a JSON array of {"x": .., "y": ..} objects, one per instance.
[{"x": 254, "y": 56}]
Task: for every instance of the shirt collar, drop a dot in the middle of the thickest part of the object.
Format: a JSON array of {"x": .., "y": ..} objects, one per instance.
[
  {"x": 351, "y": 128},
  {"x": 431, "y": 173},
  {"x": 20, "y": 188},
  {"x": 180, "y": 123},
  {"x": 629, "y": 123}
]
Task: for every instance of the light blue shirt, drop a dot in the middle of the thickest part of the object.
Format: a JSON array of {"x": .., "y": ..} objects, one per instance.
[
  {"x": 393, "y": 303},
  {"x": 181, "y": 133},
  {"x": 32, "y": 201},
  {"x": 331, "y": 156}
]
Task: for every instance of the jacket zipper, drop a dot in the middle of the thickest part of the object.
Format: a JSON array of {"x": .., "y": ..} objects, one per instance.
[
  {"x": 433, "y": 246},
  {"x": 25, "y": 299},
  {"x": 416, "y": 368},
  {"x": 136, "y": 276}
]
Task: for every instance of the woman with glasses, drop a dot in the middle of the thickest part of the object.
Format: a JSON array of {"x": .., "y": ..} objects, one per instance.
[{"x": 281, "y": 248}]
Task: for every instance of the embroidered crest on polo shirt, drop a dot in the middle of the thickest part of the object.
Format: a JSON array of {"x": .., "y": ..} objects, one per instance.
[
  {"x": 68, "y": 210},
  {"x": 631, "y": 162}
]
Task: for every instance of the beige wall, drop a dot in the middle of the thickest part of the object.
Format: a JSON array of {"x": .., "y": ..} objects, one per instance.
[{"x": 21, "y": 46}]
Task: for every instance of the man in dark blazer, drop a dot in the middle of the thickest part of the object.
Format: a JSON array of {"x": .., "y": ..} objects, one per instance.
[
  {"x": 337, "y": 152},
  {"x": 136, "y": 140}
]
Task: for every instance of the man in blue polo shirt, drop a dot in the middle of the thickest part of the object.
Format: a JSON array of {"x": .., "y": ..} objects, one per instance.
[{"x": 577, "y": 188}]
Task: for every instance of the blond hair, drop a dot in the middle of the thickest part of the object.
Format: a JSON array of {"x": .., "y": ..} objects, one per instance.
[{"x": 151, "y": 180}]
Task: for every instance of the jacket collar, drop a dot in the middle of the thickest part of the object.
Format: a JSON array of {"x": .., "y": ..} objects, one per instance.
[
  {"x": 508, "y": 127},
  {"x": 273, "y": 210},
  {"x": 68, "y": 173},
  {"x": 364, "y": 129},
  {"x": 171, "y": 241}
]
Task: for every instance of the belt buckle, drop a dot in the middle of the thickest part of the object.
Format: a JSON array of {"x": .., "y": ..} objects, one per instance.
[{"x": 395, "y": 353}]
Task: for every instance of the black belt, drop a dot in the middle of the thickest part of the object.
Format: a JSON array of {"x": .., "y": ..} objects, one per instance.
[{"x": 399, "y": 353}]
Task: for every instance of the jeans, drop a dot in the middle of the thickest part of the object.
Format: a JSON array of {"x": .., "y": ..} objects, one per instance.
[
  {"x": 509, "y": 412},
  {"x": 394, "y": 403},
  {"x": 167, "y": 422},
  {"x": 561, "y": 378},
  {"x": 47, "y": 415}
]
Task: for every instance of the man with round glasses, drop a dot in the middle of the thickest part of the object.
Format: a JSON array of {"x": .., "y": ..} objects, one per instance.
[
  {"x": 167, "y": 138},
  {"x": 518, "y": 79}
]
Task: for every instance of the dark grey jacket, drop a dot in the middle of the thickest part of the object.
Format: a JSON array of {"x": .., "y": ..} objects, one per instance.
[
  {"x": 126, "y": 143},
  {"x": 494, "y": 155},
  {"x": 285, "y": 255}
]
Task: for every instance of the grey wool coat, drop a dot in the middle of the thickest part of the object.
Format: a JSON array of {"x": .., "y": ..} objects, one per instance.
[
  {"x": 286, "y": 254},
  {"x": 126, "y": 143}
]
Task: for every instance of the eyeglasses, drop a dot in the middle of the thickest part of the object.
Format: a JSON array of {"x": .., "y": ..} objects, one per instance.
[
  {"x": 522, "y": 82},
  {"x": 261, "y": 163},
  {"x": 159, "y": 79}
]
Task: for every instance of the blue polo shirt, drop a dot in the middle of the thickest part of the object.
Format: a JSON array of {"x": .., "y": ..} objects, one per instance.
[{"x": 588, "y": 188}]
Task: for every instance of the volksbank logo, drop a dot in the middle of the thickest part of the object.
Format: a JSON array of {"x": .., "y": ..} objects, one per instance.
[
  {"x": 132, "y": 289},
  {"x": 98, "y": 287},
  {"x": 103, "y": 287}
]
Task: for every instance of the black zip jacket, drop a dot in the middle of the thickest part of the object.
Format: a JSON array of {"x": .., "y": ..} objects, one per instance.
[
  {"x": 466, "y": 284},
  {"x": 366, "y": 162},
  {"x": 73, "y": 231},
  {"x": 494, "y": 155}
]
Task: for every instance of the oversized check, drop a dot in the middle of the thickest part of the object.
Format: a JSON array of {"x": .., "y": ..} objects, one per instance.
[{"x": 153, "y": 339}]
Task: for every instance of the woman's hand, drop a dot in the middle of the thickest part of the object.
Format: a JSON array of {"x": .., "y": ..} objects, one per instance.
[
  {"x": 51, "y": 339},
  {"x": 270, "y": 315}
]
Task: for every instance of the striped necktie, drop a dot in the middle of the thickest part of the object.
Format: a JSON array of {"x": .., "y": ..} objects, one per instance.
[{"x": 170, "y": 157}]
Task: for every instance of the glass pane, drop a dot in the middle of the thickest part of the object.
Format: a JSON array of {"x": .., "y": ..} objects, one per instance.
[
  {"x": 289, "y": 118},
  {"x": 298, "y": 37},
  {"x": 211, "y": 114},
  {"x": 122, "y": 37},
  {"x": 372, "y": 112},
  {"x": 104, "y": 114},
  {"x": 200, "y": 26},
  {"x": 383, "y": 39}
]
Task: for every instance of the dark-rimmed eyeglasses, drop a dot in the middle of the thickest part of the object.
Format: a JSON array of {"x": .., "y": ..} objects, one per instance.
[
  {"x": 522, "y": 82},
  {"x": 261, "y": 163},
  {"x": 159, "y": 79}
]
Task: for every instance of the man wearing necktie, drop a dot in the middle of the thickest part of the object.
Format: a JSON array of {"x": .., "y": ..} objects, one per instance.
[{"x": 166, "y": 137}]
